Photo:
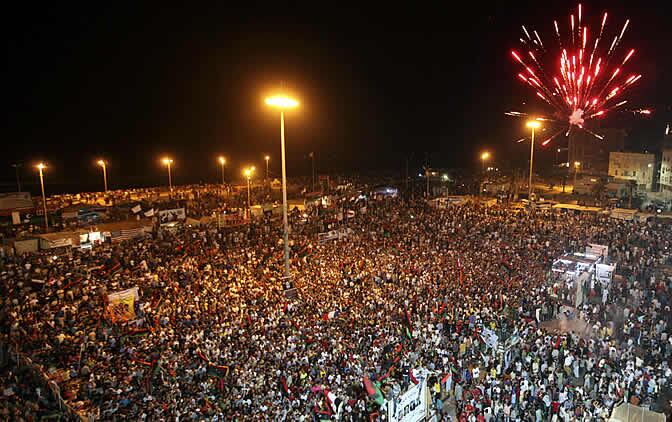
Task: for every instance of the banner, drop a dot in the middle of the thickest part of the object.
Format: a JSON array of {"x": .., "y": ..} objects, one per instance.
[
  {"x": 121, "y": 305},
  {"x": 489, "y": 337},
  {"x": 136, "y": 209},
  {"x": 168, "y": 216},
  {"x": 410, "y": 406},
  {"x": 604, "y": 272},
  {"x": 597, "y": 250},
  {"x": 334, "y": 235}
]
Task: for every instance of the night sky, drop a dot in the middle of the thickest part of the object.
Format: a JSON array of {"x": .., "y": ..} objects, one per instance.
[{"x": 131, "y": 83}]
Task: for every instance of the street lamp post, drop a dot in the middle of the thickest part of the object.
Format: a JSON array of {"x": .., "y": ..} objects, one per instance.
[
  {"x": 248, "y": 174},
  {"x": 532, "y": 124},
  {"x": 577, "y": 164},
  {"x": 484, "y": 157},
  {"x": 222, "y": 162},
  {"x": 283, "y": 102},
  {"x": 267, "y": 158},
  {"x": 41, "y": 167},
  {"x": 167, "y": 162},
  {"x": 17, "y": 166},
  {"x": 102, "y": 164}
]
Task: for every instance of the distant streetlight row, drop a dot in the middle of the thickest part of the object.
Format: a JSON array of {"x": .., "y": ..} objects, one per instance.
[{"x": 281, "y": 102}]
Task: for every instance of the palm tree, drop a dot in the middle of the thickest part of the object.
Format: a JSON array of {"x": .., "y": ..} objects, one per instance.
[{"x": 632, "y": 185}]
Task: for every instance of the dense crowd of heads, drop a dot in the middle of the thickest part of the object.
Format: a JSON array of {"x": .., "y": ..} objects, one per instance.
[{"x": 412, "y": 288}]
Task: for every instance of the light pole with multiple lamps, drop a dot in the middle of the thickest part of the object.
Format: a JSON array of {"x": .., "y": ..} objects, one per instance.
[
  {"x": 283, "y": 102},
  {"x": 532, "y": 124},
  {"x": 103, "y": 164},
  {"x": 168, "y": 162},
  {"x": 40, "y": 168}
]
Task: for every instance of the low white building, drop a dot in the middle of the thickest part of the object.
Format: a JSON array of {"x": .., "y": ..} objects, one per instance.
[
  {"x": 666, "y": 171},
  {"x": 633, "y": 166}
]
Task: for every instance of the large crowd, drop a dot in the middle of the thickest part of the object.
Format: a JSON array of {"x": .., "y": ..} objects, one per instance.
[{"x": 411, "y": 290}]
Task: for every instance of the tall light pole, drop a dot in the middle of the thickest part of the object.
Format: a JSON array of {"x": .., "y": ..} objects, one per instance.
[
  {"x": 268, "y": 157},
  {"x": 41, "y": 167},
  {"x": 102, "y": 164},
  {"x": 248, "y": 174},
  {"x": 283, "y": 103},
  {"x": 484, "y": 156},
  {"x": 577, "y": 164},
  {"x": 532, "y": 124},
  {"x": 17, "y": 166},
  {"x": 222, "y": 163},
  {"x": 167, "y": 162}
]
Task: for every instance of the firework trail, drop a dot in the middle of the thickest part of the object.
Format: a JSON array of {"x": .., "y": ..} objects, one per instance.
[{"x": 588, "y": 78}]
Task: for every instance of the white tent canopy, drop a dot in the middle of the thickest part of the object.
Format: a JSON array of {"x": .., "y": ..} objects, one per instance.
[{"x": 629, "y": 413}]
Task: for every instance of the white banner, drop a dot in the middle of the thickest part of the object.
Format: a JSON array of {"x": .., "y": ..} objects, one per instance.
[
  {"x": 489, "y": 337},
  {"x": 597, "y": 250},
  {"x": 604, "y": 272},
  {"x": 168, "y": 216},
  {"x": 410, "y": 406},
  {"x": 136, "y": 209}
]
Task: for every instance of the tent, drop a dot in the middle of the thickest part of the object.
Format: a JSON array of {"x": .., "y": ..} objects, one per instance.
[{"x": 630, "y": 413}]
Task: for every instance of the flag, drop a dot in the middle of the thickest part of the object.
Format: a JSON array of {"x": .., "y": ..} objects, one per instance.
[
  {"x": 136, "y": 209},
  {"x": 330, "y": 315},
  {"x": 335, "y": 404},
  {"x": 373, "y": 391},
  {"x": 412, "y": 377}
]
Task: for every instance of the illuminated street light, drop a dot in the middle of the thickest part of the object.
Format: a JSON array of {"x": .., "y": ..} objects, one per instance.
[
  {"x": 283, "y": 103},
  {"x": 222, "y": 162},
  {"x": 168, "y": 162},
  {"x": 248, "y": 172},
  {"x": 485, "y": 156},
  {"x": 40, "y": 167},
  {"x": 532, "y": 124},
  {"x": 103, "y": 164},
  {"x": 268, "y": 157}
]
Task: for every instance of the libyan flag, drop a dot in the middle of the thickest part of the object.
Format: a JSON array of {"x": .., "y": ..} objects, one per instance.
[{"x": 373, "y": 391}]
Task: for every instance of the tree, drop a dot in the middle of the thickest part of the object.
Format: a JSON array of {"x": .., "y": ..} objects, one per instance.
[
  {"x": 599, "y": 189},
  {"x": 632, "y": 185}
]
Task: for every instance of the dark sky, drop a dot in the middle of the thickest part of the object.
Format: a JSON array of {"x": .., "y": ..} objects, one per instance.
[{"x": 133, "y": 82}]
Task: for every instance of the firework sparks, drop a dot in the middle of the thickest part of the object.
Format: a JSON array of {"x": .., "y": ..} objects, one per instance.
[{"x": 581, "y": 85}]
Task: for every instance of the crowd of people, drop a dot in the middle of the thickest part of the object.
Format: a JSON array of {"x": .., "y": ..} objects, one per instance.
[{"x": 409, "y": 292}]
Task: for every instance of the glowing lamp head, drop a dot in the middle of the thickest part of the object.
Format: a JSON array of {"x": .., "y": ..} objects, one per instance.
[
  {"x": 222, "y": 160},
  {"x": 248, "y": 172},
  {"x": 533, "y": 124},
  {"x": 577, "y": 164},
  {"x": 485, "y": 156},
  {"x": 281, "y": 101},
  {"x": 101, "y": 163},
  {"x": 41, "y": 166},
  {"x": 167, "y": 161},
  {"x": 267, "y": 158}
]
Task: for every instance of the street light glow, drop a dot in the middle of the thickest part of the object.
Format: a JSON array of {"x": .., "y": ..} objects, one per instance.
[
  {"x": 101, "y": 163},
  {"x": 41, "y": 166},
  {"x": 222, "y": 160},
  {"x": 167, "y": 161},
  {"x": 267, "y": 158},
  {"x": 281, "y": 101},
  {"x": 485, "y": 155},
  {"x": 533, "y": 124},
  {"x": 248, "y": 172},
  {"x": 577, "y": 164}
]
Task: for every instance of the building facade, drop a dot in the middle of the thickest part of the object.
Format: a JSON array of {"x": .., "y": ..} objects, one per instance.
[
  {"x": 665, "y": 181},
  {"x": 633, "y": 166}
]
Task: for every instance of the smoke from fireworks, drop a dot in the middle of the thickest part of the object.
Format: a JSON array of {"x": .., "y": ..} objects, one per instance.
[{"x": 589, "y": 77}]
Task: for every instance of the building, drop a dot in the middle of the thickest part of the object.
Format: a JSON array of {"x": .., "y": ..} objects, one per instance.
[
  {"x": 665, "y": 181},
  {"x": 633, "y": 166},
  {"x": 591, "y": 152}
]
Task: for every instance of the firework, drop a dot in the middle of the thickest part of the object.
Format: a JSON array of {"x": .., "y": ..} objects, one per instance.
[{"x": 588, "y": 79}]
